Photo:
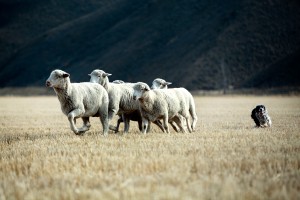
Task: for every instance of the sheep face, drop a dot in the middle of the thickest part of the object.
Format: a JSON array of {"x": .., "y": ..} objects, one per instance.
[
  {"x": 98, "y": 76},
  {"x": 139, "y": 90},
  {"x": 58, "y": 79},
  {"x": 160, "y": 84}
]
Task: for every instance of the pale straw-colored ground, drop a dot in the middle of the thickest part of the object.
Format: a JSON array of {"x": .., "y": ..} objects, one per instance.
[{"x": 226, "y": 158}]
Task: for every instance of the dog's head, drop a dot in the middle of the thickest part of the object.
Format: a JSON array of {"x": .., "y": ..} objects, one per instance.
[{"x": 260, "y": 110}]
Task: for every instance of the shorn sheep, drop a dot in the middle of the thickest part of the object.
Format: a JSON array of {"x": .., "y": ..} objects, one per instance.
[
  {"x": 120, "y": 96},
  {"x": 159, "y": 83},
  {"x": 80, "y": 100},
  {"x": 167, "y": 105},
  {"x": 134, "y": 116}
]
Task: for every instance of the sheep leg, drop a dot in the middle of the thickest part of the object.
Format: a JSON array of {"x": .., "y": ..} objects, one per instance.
[
  {"x": 116, "y": 128},
  {"x": 103, "y": 115},
  {"x": 145, "y": 125},
  {"x": 159, "y": 124},
  {"x": 104, "y": 121},
  {"x": 140, "y": 122},
  {"x": 174, "y": 127},
  {"x": 71, "y": 117},
  {"x": 126, "y": 124},
  {"x": 86, "y": 125},
  {"x": 165, "y": 123},
  {"x": 148, "y": 128},
  {"x": 194, "y": 122},
  {"x": 185, "y": 115},
  {"x": 179, "y": 123},
  {"x": 188, "y": 124},
  {"x": 192, "y": 111},
  {"x": 111, "y": 113},
  {"x": 86, "y": 122},
  {"x": 120, "y": 120}
]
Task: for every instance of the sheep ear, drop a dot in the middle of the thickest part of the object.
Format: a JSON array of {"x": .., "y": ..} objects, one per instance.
[
  {"x": 106, "y": 74},
  {"x": 89, "y": 75},
  {"x": 65, "y": 75},
  {"x": 168, "y": 83}
]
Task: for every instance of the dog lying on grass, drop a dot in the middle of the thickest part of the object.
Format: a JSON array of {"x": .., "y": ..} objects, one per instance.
[{"x": 260, "y": 116}]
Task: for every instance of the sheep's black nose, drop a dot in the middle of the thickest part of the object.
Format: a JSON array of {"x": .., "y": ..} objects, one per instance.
[
  {"x": 48, "y": 83},
  {"x": 134, "y": 97}
]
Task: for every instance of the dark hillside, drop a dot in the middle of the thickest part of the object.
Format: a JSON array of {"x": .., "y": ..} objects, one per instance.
[
  {"x": 285, "y": 71},
  {"x": 195, "y": 44},
  {"x": 21, "y": 21}
]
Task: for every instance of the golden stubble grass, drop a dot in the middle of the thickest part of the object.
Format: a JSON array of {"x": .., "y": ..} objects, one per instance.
[{"x": 226, "y": 158}]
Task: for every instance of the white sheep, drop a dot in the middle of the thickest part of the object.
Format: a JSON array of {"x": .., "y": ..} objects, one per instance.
[
  {"x": 159, "y": 83},
  {"x": 120, "y": 96},
  {"x": 80, "y": 100},
  {"x": 167, "y": 105},
  {"x": 134, "y": 116}
]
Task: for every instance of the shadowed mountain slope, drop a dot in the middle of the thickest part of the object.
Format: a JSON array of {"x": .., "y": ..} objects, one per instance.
[{"x": 194, "y": 44}]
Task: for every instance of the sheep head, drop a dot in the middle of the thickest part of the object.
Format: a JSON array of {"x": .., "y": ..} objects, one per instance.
[
  {"x": 160, "y": 84},
  {"x": 58, "y": 79},
  {"x": 140, "y": 89},
  {"x": 99, "y": 76}
]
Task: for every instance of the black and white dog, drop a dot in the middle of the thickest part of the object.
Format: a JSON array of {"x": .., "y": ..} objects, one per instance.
[{"x": 260, "y": 116}]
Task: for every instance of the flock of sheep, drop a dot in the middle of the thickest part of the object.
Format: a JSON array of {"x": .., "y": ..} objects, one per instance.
[{"x": 131, "y": 101}]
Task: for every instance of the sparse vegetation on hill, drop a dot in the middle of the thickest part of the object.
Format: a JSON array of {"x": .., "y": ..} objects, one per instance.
[{"x": 205, "y": 45}]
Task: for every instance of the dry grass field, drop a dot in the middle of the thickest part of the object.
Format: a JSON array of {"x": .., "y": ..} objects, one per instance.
[{"x": 226, "y": 158}]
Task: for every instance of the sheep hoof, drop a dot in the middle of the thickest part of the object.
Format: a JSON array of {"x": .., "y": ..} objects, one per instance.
[
  {"x": 80, "y": 132},
  {"x": 113, "y": 128}
]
